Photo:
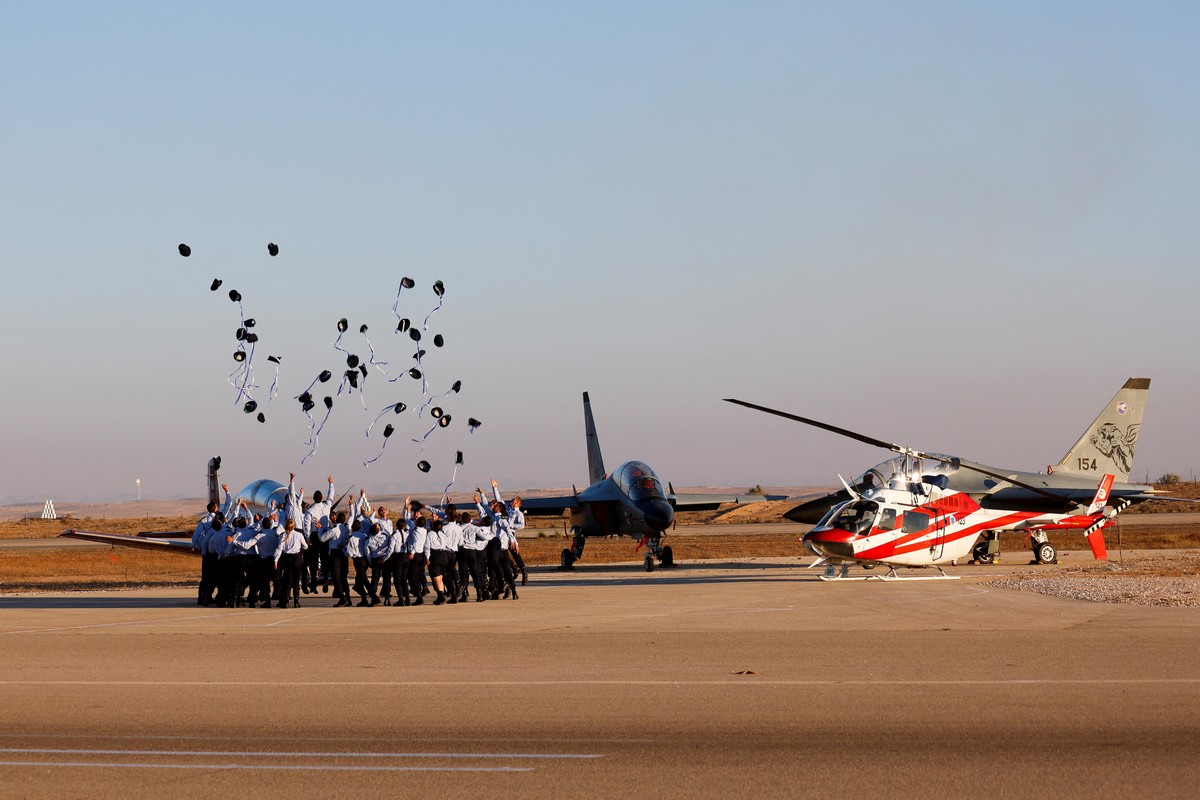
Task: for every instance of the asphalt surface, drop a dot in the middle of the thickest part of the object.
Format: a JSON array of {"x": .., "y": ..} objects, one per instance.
[{"x": 741, "y": 679}]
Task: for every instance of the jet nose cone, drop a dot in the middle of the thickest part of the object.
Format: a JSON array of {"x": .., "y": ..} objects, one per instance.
[{"x": 658, "y": 514}]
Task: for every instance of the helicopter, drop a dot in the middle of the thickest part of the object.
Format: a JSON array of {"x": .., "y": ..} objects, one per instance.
[{"x": 993, "y": 499}]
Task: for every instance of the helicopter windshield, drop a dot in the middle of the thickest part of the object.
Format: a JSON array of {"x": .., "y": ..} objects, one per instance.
[
  {"x": 857, "y": 517},
  {"x": 638, "y": 481}
]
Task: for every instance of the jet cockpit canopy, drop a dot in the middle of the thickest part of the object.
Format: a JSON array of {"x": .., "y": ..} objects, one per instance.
[{"x": 637, "y": 481}]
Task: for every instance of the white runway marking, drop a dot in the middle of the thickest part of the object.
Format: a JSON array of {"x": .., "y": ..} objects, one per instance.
[
  {"x": 324, "y": 768},
  {"x": 212, "y": 616},
  {"x": 60, "y": 751},
  {"x": 749, "y": 681}
]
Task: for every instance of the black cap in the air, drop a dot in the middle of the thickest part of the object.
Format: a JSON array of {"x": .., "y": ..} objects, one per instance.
[
  {"x": 276, "y": 359},
  {"x": 456, "y": 387},
  {"x": 414, "y": 373},
  {"x": 250, "y": 407},
  {"x": 261, "y": 417},
  {"x": 250, "y": 323},
  {"x": 352, "y": 361},
  {"x": 387, "y": 431},
  {"x": 399, "y": 408},
  {"x": 407, "y": 283},
  {"x": 235, "y": 295},
  {"x": 438, "y": 288},
  {"x": 184, "y": 250},
  {"x": 272, "y": 248},
  {"x": 436, "y": 412},
  {"x": 362, "y": 328},
  {"x": 328, "y": 401},
  {"x": 216, "y": 284},
  {"x": 342, "y": 325},
  {"x": 403, "y": 325},
  {"x": 240, "y": 334},
  {"x": 473, "y": 423},
  {"x": 251, "y": 337},
  {"x": 423, "y": 466},
  {"x": 239, "y": 355},
  {"x": 438, "y": 340},
  {"x": 444, "y": 421},
  {"x": 414, "y": 334},
  {"x": 324, "y": 376}
]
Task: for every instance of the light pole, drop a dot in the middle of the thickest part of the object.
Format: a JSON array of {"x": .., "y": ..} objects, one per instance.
[{"x": 139, "y": 485}]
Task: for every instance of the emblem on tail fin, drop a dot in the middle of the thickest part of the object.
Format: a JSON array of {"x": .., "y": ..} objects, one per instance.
[{"x": 1117, "y": 444}]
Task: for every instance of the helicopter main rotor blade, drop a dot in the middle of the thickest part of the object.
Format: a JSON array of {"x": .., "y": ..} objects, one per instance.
[
  {"x": 897, "y": 448},
  {"x": 833, "y": 428}
]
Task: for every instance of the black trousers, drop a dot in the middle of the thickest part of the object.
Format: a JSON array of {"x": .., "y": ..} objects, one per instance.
[
  {"x": 360, "y": 576},
  {"x": 416, "y": 574},
  {"x": 337, "y": 569},
  {"x": 477, "y": 563},
  {"x": 494, "y": 571},
  {"x": 263, "y": 577},
  {"x": 312, "y": 564},
  {"x": 516, "y": 557},
  {"x": 209, "y": 565},
  {"x": 391, "y": 574},
  {"x": 290, "y": 567}
]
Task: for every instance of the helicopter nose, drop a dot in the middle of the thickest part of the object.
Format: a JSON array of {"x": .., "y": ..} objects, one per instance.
[
  {"x": 831, "y": 542},
  {"x": 658, "y": 513}
]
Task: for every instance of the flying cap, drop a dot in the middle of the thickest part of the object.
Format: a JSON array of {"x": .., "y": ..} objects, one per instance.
[
  {"x": 239, "y": 355},
  {"x": 436, "y": 412},
  {"x": 407, "y": 283},
  {"x": 272, "y": 248},
  {"x": 276, "y": 359},
  {"x": 235, "y": 295},
  {"x": 414, "y": 334},
  {"x": 438, "y": 340},
  {"x": 324, "y": 376},
  {"x": 388, "y": 430},
  {"x": 352, "y": 376},
  {"x": 444, "y": 421},
  {"x": 473, "y": 423},
  {"x": 305, "y": 397},
  {"x": 438, "y": 288},
  {"x": 399, "y": 407},
  {"x": 216, "y": 284},
  {"x": 342, "y": 325},
  {"x": 328, "y": 401},
  {"x": 240, "y": 335},
  {"x": 250, "y": 407},
  {"x": 402, "y": 325},
  {"x": 184, "y": 250},
  {"x": 251, "y": 337},
  {"x": 458, "y": 459},
  {"x": 362, "y": 328},
  {"x": 414, "y": 373},
  {"x": 423, "y": 466},
  {"x": 419, "y": 355},
  {"x": 261, "y": 417},
  {"x": 249, "y": 323},
  {"x": 363, "y": 369},
  {"x": 456, "y": 387},
  {"x": 352, "y": 361},
  {"x": 308, "y": 405}
]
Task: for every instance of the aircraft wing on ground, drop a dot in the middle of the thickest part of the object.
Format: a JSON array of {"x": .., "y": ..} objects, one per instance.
[
  {"x": 548, "y": 506},
  {"x": 710, "y": 502},
  {"x": 183, "y": 546}
]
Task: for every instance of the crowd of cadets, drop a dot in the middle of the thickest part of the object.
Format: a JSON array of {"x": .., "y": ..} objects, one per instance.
[{"x": 251, "y": 559}]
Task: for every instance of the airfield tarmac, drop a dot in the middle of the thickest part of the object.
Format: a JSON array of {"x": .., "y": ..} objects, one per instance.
[{"x": 746, "y": 678}]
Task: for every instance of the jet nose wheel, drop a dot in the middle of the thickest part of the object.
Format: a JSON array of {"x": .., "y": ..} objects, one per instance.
[
  {"x": 568, "y": 560},
  {"x": 668, "y": 557},
  {"x": 649, "y": 562}
]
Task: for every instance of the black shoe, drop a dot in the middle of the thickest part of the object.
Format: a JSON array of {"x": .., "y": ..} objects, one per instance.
[
  {"x": 363, "y": 602},
  {"x": 524, "y": 578},
  {"x": 441, "y": 600},
  {"x": 506, "y": 593},
  {"x": 304, "y": 588},
  {"x": 325, "y": 588},
  {"x": 374, "y": 601},
  {"x": 418, "y": 602},
  {"x": 479, "y": 598},
  {"x": 282, "y": 604},
  {"x": 295, "y": 602},
  {"x": 514, "y": 593},
  {"x": 387, "y": 601}
]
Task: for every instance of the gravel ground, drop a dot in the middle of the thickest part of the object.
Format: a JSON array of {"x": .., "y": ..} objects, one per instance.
[{"x": 1150, "y": 581}]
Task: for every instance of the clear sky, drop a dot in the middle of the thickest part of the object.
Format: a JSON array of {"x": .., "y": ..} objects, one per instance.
[{"x": 960, "y": 226}]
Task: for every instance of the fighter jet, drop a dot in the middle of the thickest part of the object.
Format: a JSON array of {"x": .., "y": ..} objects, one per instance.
[{"x": 629, "y": 501}]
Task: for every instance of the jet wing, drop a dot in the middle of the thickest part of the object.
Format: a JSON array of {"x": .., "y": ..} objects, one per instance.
[
  {"x": 710, "y": 502},
  {"x": 548, "y": 506},
  {"x": 183, "y": 546}
]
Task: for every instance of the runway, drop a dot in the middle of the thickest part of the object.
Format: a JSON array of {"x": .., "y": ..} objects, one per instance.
[{"x": 745, "y": 679}]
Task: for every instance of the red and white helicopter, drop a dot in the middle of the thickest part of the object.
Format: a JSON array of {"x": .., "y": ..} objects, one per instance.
[{"x": 916, "y": 521}]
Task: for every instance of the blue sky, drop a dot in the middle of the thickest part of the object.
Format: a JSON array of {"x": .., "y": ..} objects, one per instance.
[{"x": 958, "y": 226}]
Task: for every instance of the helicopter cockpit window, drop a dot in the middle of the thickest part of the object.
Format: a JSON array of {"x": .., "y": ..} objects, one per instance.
[
  {"x": 638, "y": 481},
  {"x": 887, "y": 520},
  {"x": 915, "y": 522},
  {"x": 871, "y": 479},
  {"x": 856, "y": 517}
]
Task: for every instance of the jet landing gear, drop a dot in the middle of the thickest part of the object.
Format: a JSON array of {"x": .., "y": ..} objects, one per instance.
[
  {"x": 573, "y": 553},
  {"x": 663, "y": 554}
]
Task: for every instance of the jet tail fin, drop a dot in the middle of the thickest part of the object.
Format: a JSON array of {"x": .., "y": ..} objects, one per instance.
[
  {"x": 596, "y": 471},
  {"x": 1109, "y": 442}
]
